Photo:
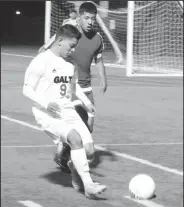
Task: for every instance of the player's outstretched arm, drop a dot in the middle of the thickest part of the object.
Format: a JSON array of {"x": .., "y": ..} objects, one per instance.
[
  {"x": 47, "y": 44},
  {"x": 102, "y": 73},
  {"x": 100, "y": 65}
]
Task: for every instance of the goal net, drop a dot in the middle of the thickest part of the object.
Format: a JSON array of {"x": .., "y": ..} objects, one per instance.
[{"x": 143, "y": 37}]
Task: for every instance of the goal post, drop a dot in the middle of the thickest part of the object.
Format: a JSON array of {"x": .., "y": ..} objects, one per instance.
[
  {"x": 47, "y": 20},
  {"x": 181, "y": 4},
  {"x": 111, "y": 40},
  {"x": 130, "y": 34},
  {"x": 146, "y": 37}
]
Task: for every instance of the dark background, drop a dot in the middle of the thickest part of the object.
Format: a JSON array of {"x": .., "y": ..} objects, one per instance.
[{"x": 26, "y": 28}]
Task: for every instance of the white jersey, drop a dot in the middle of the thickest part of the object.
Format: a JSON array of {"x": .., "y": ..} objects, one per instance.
[
  {"x": 73, "y": 22},
  {"x": 51, "y": 77}
]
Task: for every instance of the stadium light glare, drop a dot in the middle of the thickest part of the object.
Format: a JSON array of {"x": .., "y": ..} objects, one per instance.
[{"x": 17, "y": 12}]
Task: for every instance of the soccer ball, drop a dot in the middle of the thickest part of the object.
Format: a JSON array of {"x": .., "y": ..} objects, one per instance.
[{"x": 142, "y": 186}]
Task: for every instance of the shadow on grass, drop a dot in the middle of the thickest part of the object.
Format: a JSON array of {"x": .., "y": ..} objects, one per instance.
[
  {"x": 98, "y": 159},
  {"x": 100, "y": 155},
  {"x": 60, "y": 178}
]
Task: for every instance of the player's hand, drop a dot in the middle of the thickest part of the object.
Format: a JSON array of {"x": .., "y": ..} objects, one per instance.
[
  {"x": 42, "y": 49},
  {"x": 91, "y": 109},
  {"x": 54, "y": 110}
]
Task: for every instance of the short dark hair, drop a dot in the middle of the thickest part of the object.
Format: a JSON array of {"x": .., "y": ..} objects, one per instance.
[
  {"x": 87, "y": 7},
  {"x": 68, "y": 31}
]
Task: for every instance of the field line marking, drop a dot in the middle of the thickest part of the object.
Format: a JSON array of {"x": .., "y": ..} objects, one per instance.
[
  {"x": 126, "y": 156},
  {"x": 21, "y": 122},
  {"x": 16, "y": 55},
  {"x": 145, "y": 162},
  {"x": 147, "y": 203},
  {"x": 113, "y": 65},
  {"x": 142, "y": 144},
  {"x": 29, "y": 203},
  {"x": 50, "y": 145},
  {"x": 28, "y": 146}
]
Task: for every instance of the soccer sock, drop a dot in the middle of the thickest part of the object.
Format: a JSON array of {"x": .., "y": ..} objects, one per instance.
[{"x": 80, "y": 162}]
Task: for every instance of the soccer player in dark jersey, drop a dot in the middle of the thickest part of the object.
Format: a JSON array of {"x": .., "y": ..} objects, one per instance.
[{"x": 89, "y": 47}]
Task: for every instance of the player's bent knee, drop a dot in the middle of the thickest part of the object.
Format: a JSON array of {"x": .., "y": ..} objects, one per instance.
[{"x": 74, "y": 140}]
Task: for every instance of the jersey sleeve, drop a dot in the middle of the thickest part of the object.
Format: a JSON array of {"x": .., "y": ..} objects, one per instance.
[
  {"x": 34, "y": 72},
  {"x": 65, "y": 21},
  {"x": 33, "y": 75},
  {"x": 99, "y": 51}
]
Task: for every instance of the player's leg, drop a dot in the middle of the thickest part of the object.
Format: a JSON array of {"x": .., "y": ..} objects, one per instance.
[
  {"x": 87, "y": 139},
  {"x": 48, "y": 125},
  {"x": 62, "y": 132},
  {"x": 80, "y": 140},
  {"x": 63, "y": 151},
  {"x": 88, "y": 146},
  {"x": 62, "y": 156},
  {"x": 80, "y": 165}
]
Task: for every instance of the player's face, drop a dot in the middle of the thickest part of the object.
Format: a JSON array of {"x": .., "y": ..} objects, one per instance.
[
  {"x": 73, "y": 15},
  {"x": 87, "y": 21},
  {"x": 67, "y": 46}
]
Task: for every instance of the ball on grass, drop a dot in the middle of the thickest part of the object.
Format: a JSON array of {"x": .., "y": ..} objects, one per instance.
[{"x": 142, "y": 186}]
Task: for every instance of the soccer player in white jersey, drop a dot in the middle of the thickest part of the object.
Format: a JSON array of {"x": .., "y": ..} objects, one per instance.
[
  {"x": 90, "y": 47},
  {"x": 50, "y": 82},
  {"x": 73, "y": 20}
]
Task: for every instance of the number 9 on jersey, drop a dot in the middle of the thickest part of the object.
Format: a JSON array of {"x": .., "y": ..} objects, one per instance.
[{"x": 63, "y": 89}]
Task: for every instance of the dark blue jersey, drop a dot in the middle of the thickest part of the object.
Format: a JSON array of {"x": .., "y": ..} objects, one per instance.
[{"x": 89, "y": 47}]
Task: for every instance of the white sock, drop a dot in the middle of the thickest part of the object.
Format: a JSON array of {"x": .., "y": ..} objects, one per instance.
[{"x": 80, "y": 162}]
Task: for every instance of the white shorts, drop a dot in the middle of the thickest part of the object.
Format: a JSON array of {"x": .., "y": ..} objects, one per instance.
[{"x": 58, "y": 129}]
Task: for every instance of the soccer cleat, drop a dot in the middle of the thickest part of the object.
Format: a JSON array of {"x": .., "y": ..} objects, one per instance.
[
  {"x": 93, "y": 190},
  {"x": 64, "y": 168},
  {"x": 62, "y": 157},
  {"x": 76, "y": 180}
]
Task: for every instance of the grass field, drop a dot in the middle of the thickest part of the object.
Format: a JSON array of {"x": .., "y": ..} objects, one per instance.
[{"x": 138, "y": 129}]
